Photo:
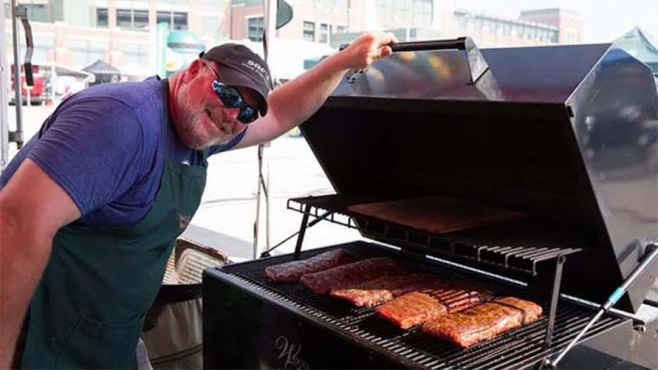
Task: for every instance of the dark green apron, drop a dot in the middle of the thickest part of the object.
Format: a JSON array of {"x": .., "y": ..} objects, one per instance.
[{"x": 89, "y": 308}]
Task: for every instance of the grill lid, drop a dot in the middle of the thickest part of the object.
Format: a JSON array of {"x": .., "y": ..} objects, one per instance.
[{"x": 564, "y": 134}]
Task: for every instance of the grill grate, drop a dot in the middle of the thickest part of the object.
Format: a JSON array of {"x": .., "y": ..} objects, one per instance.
[
  {"x": 509, "y": 245},
  {"x": 517, "y": 348}
]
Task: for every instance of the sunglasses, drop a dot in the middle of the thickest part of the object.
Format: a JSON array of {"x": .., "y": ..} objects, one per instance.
[{"x": 231, "y": 98}]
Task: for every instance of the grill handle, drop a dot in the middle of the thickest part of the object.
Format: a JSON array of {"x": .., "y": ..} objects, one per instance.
[
  {"x": 477, "y": 66},
  {"x": 458, "y": 43}
]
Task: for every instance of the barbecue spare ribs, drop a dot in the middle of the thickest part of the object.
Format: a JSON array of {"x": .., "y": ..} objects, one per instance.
[
  {"x": 293, "y": 271},
  {"x": 351, "y": 274},
  {"x": 385, "y": 288},
  {"x": 426, "y": 304},
  {"x": 483, "y": 322}
]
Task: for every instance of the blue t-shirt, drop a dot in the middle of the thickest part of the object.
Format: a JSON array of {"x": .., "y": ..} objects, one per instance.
[{"x": 104, "y": 146}]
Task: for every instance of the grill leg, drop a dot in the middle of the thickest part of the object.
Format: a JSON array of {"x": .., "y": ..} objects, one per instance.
[{"x": 302, "y": 231}]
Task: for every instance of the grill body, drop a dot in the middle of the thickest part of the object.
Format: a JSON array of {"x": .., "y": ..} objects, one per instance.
[{"x": 252, "y": 323}]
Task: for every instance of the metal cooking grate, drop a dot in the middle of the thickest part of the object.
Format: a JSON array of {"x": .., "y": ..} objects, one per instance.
[
  {"x": 517, "y": 246},
  {"x": 517, "y": 348}
]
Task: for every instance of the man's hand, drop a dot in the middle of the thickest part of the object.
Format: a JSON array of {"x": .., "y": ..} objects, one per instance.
[{"x": 366, "y": 49}]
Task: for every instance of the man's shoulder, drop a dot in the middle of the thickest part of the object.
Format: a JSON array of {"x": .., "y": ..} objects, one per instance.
[
  {"x": 123, "y": 108},
  {"x": 131, "y": 94},
  {"x": 101, "y": 142}
]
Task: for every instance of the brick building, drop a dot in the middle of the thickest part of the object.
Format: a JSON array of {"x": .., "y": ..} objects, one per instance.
[{"x": 120, "y": 32}]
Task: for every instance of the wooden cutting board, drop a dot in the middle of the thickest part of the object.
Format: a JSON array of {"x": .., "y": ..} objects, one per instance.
[{"x": 435, "y": 214}]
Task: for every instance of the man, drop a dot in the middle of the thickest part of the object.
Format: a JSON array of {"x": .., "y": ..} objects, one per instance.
[{"x": 91, "y": 207}]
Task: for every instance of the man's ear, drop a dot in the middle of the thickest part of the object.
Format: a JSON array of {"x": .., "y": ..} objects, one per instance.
[{"x": 193, "y": 69}]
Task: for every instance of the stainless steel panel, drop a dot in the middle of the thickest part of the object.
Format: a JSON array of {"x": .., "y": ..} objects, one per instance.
[{"x": 616, "y": 125}]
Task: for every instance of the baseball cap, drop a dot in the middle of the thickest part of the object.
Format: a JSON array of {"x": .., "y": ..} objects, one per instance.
[{"x": 243, "y": 68}]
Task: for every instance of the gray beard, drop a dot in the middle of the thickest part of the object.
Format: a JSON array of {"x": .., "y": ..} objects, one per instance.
[{"x": 188, "y": 136}]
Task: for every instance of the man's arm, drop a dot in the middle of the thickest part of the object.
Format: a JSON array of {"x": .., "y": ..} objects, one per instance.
[
  {"x": 32, "y": 208},
  {"x": 297, "y": 100}
]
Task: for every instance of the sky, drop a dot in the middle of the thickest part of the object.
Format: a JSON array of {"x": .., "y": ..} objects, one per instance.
[{"x": 603, "y": 20}]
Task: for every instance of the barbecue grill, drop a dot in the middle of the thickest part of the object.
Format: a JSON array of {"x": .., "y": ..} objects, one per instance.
[{"x": 565, "y": 135}]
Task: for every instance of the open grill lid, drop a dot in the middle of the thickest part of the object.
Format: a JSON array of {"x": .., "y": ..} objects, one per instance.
[{"x": 565, "y": 134}]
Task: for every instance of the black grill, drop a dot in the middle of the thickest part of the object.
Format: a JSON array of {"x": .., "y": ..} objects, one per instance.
[
  {"x": 538, "y": 132},
  {"x": 516, "y": 348}
]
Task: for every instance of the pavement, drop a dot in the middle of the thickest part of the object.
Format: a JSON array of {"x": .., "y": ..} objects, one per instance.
[{"x": 227, "y": 214}]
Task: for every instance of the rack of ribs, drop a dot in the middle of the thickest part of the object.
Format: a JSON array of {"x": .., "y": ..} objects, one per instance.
[
  {"x": 426, "y": 304},
  {"x": 293, "y": 271},
  {"x": 483, "y": 322},
  {"x": 351, "y": 274},
  {"x": 385, "y": 288}
]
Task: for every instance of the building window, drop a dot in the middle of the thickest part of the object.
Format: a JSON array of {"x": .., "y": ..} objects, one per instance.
[
  {"x": 341, "y": 29},
  {"x": 324, "y": 33},
  {"x": 37, "y": 11},
  {"x": 309, "y": 31},
  {"x": 125, "y": 19},
  {"x": 526, "y": 33},
  {"x": 255, "y": 28},
  {"x": 132, "y": 19},
  {"x": 175, "y": 20},
  {"x": 140, "y": 19},
  {"x": 180, "y": 20},
  {"x": 102, "y": 18},
  {"x": 553, "y": 37},
  {"x": 163, "y": 17}
]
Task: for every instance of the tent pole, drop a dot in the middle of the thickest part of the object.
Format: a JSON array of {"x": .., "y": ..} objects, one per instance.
[
  {"x": 4, "y": 102},
  {"x": 264, "y": 181}
]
